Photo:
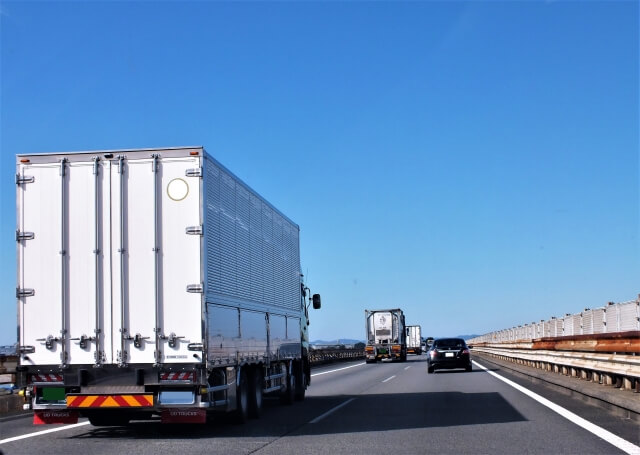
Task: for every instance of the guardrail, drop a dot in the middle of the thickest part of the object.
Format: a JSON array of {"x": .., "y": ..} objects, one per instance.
[
  {"x": 328, "y": 354},
  {"x": 601, "y": 345},
  {"x": 613, "y": 318}
]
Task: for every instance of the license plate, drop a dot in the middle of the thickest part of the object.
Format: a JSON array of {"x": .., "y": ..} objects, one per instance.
[
  {"x": 53, "y": 393},
  {"x": 382, "y": 351},
  {"x": 448, "y": 354}
]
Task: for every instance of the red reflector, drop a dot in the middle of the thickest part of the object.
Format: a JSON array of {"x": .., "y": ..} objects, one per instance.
[
  {"x": 178, "y": 376},
  {"x": 185, "y": 415},
  {"x": 194, "y": 153},
  {"x": 24, "y": 161},
  {"x": 47, "y": 417},
  {"x": 44, "y": 377}
]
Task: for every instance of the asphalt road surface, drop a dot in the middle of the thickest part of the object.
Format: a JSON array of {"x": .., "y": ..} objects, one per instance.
[{"x": 369, "y": 408}]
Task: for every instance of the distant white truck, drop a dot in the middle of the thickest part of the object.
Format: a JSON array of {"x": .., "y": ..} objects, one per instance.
[
  {"x": 414, "y": 339},
  {"x": 154, "y": 283},
  {"x": 386, "y": 338}
]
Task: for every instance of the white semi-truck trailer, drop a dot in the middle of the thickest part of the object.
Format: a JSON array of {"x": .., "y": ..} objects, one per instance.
[
  {"x": 154, "y": 283},
  {"x": 386, "y": 337},
  {"x": 414, "y": 339}
]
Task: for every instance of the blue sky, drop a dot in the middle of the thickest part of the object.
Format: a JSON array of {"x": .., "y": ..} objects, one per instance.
[{"x": 476, "y": 164}]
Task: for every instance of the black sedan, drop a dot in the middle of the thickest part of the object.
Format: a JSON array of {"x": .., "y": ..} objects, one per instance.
[{"x": 447, "y": 353}]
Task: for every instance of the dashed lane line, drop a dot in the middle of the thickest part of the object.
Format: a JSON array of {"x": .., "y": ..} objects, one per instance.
[
  {"x": 331, "y": 411},
  {"x": 339, "y": 369}
]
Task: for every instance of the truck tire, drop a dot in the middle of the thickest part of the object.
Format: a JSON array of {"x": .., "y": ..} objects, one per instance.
[
  {"x": 288, "y": 395},
  {"x": 256, "y": 384},
  {"x": 301, "y": 382},
  {"x": 242, "y": 398}
]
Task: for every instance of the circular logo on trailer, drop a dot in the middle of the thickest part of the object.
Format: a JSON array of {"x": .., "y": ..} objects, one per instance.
[
  {"x": 383, "y": 319},
  {"x": 177, "y": 189}
]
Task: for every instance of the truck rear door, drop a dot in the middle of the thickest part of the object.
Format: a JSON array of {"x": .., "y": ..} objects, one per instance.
[
  {"x": 157, "y": 277},
  {"x": 63, "y": 278},
  {"x": 109, "y": 250}
]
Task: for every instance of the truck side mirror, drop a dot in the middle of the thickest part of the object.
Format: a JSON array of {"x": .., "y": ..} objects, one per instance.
[{"x": 316, "y": 301}]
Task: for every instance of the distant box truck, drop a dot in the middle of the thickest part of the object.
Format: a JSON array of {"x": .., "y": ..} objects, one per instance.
[
  {"x": 414, "y": 339},
  {"x": 386, "y": 337},
  {"x": 154, "y": 283}
]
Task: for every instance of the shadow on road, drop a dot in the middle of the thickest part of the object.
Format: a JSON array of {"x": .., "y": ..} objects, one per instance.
[{"x": 366, "y": 413}]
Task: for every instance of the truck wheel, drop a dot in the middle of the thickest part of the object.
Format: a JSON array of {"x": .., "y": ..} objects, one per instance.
[
  {"x": 288, "y": 395},
  {"x": 242, "y": 398},
  {"x": 255, "y": 393},
  {"x": 301, "y": 383}
]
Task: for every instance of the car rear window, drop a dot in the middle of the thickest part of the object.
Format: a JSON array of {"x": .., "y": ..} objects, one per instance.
[{"x": 450, "y": 343}]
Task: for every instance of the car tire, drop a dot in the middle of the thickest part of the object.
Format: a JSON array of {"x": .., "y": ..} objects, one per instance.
[
  {"x": 255, "y": 393},
  {"x": 242, "y": 399},
  {"x": 288, "y": 395},
  {"x": 468, "y": 368},
  {"x": 301, "y": 382},
  {"x": 430, "y": 369}
]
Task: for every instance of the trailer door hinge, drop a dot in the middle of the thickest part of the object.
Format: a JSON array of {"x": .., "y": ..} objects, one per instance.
[
  {"x": 194, "y": 230},
  {"x": 25, "y": 292},
  {"x": 196, "y": 172},
  {"x": 195, "y": 288},
  {"x": 24, "y": 236},
  {"x": 20, "y": 179}
]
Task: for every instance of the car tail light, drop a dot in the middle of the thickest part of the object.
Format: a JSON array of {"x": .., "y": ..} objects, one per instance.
[
  {"x": 465, "y": 351},
  {"x": 433, "y": 353}
]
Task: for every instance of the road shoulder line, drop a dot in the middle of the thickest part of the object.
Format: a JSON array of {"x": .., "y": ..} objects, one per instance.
[{"x": 611, "y": 438}]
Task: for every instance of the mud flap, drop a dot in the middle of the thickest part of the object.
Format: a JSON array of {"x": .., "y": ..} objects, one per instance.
[
  {"x": 184, "y": 415},
  {"x": 47, "y": 417}
]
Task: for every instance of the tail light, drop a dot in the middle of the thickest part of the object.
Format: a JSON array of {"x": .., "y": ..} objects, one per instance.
[
  {"x": 433, "y": 353},
  {"x": 368, "y": 348},
  {"x": 465, "y": 351},
  {"x": 396, "y": 348}
]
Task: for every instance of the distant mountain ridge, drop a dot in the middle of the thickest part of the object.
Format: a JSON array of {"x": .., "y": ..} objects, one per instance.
[
  {"x": 352, "y": 341},
  {"x": 340, "y": 341}
]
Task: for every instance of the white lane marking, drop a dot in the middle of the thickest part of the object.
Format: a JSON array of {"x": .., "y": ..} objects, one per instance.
[
  {"x": 331, "y": 411},
  {"x": 389, "y": 379},
  {"x": 40, "y": 433},
  {"x": 611, "y": 438},
  {"x": 339, "y": 369},
  {"x": 406, "y": 368}
]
